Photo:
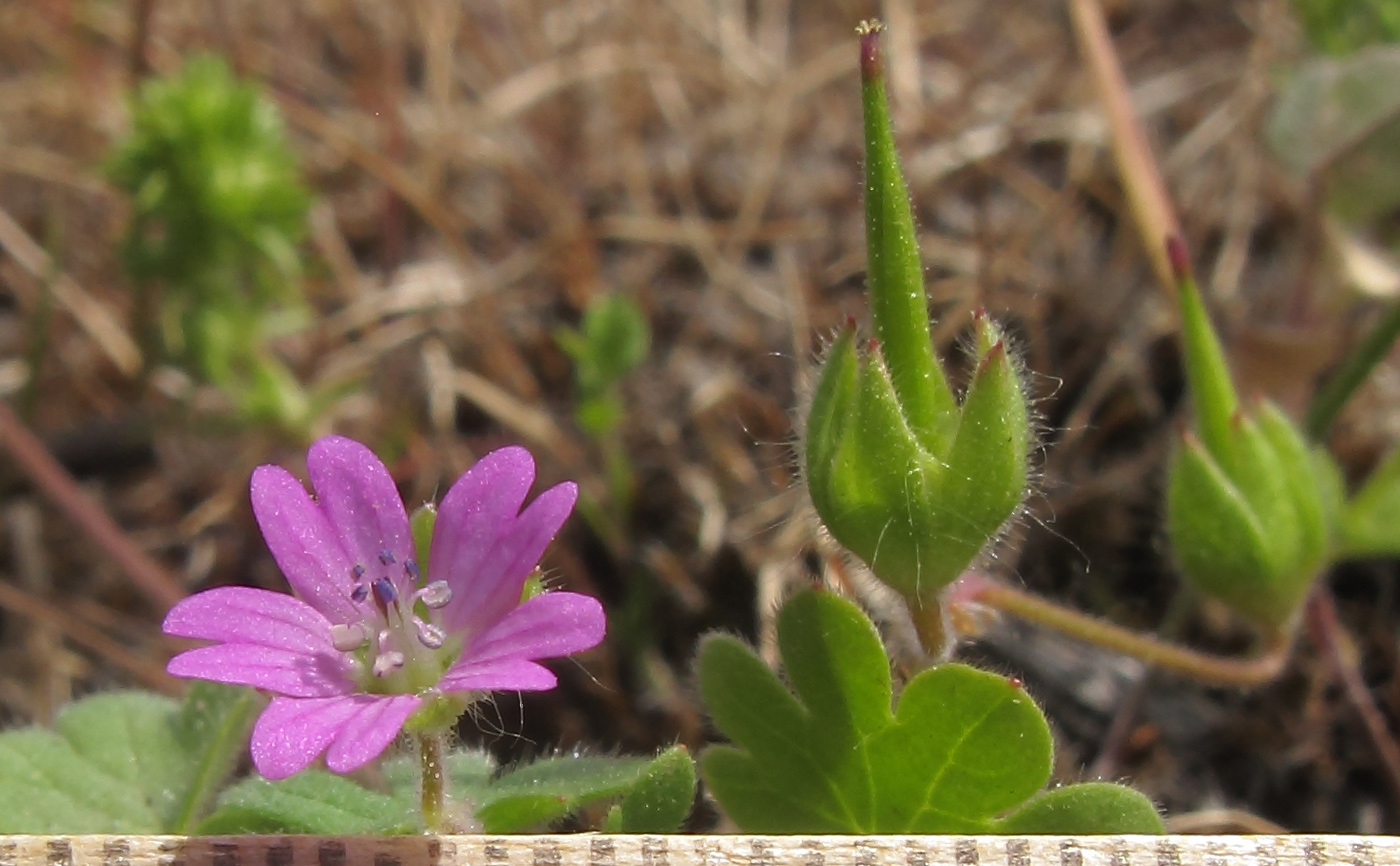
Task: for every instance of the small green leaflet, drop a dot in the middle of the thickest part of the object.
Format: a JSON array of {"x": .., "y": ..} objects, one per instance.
[
  {"x": 123, "y": 762},
  {"x": 963, "y": 748}
]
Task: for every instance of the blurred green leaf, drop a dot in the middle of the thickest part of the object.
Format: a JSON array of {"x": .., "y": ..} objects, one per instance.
[
  {"x": 1371, "y": 518},
  {"x": 1343, "y": 26},
  {"x": 1349, "y": 107}
]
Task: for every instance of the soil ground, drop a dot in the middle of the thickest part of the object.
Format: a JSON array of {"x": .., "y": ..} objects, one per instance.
[{"x": 482, "y": 170}]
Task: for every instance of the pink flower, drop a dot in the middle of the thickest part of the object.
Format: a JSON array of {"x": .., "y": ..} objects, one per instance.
[{"x": 366, "y": 639}]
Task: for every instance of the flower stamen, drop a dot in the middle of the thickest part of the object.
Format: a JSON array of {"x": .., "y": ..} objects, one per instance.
[{"x": 348, "y": 638}]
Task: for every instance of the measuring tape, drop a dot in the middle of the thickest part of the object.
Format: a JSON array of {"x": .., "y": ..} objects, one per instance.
[{"x": 599, "y": 850}]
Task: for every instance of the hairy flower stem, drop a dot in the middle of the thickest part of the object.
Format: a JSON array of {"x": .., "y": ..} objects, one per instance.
[
  {"x": 929, "y": 625},
  {"x": 434, "y": 788},
  {"x": 1217, "y": 670}
]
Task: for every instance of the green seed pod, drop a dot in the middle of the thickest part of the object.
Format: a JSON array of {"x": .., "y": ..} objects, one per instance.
[
  {"x": 916, "y": 517},
  {"x": 1247, "y": 499},
  {"x": 899, "y": 474}
]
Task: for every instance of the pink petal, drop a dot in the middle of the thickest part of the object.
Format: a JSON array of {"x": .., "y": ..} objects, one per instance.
[
  {"x": 292, "y": 732},
  {"x": 303, "y": 543},
  {"x": 547, "y": 626},
  {"x": 502, "y": 675},
  {"x": 241, "y": 614},
  {"x": 296, "y": 674},
  {"x": 370, "y": 732},
  {"x": 476, "y": 512},
  {"x": 361, "y": 503},
  {"x": 486, "y": 551}
]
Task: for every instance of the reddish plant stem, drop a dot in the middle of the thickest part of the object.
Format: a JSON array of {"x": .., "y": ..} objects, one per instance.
[
  {"x": 1328, "y": 635},
  {"x": 1219, "y": 670},
  {"x": 63, "y": 491}
]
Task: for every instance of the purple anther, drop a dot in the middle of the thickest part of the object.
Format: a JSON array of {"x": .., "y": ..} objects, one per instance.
[
  {"x": 359, "y": 593},
  {"x": 410, "y": 568},
  {"x": 386, "y": 557},
  {"x": 358, "y": 571},
  {"x": 384, "y": 592}
]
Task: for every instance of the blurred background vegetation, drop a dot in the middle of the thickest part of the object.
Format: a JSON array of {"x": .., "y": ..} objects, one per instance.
[{"x": 618, "y": 232}]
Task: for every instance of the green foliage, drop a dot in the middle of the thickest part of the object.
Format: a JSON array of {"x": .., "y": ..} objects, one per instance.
[
  {"x": 660, "y": 800},
  {"x": 1247, "y": 508},
  {"x": 1083, "y": 810},
  {"x": 963, "y": 746},
  {"x": 312, "y": 801},
  {"x": 612, "y": 341},
  {"x": 1342, "y": 26},
  {"x": 123, "y": 762},
  {"x": 901, "y": 475},
  {"x": 217, "y": 211},
  {"x": 1370, "y": 523},
  {"x": 1343, "y": 115},
  {"x": 521, "y": 799}
]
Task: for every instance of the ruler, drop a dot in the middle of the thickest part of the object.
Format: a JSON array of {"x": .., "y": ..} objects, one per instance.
[{"x": 601, "y": 850}]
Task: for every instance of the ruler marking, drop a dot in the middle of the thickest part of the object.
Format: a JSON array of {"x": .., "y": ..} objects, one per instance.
[
  {"x": 915, "y": 854},
  {"x": 654, "y": 851},
  {"x": 1018, "y": 852},
  {"x": 1313, "y": 853},
  {"x": 865, "y": 853},
  {"x": 601, "y": 852},
  {"x": 59, "y": 852},
  {"x": 331, "y": 852},
  {"x": 170, "y": 852},
  {"x": 1120, "y": 855},
  {"x": 496, "y": 852},
  {"x": 1070, "y": 854},
  {"x": 116, "y": 852},
  {"x": 813, "y": 854},
  {"x": 965, "y": 853},
  {"x": 545, "y": 854},
  {"x": 225, "y": 854},
  {"x": 7, "y": 852},
  {"x": 279, "y": 853},
  {"x": 1363, "y": 854},
  {"x": 1168, "y": 854}
]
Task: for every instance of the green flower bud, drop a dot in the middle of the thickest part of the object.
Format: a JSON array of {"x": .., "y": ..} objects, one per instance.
[
  {"x": 1247, "y": 499},
  {"x": 899, "y": 474},
  {"x": 917, "y": 517}
]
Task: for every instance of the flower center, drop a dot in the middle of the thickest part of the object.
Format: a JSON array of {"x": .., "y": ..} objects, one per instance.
[{"x": 398, "y": 646}]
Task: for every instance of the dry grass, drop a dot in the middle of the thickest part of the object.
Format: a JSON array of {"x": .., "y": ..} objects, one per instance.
[{"x": 483, "y": 169}]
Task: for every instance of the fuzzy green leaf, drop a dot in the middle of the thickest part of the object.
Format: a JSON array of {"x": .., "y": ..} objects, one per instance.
[
  {"x": 661, "y": 799},
  {"x": 537, "y": 793},
  {"x": 313, "y": 802},
  {"x": 1088, "y": 809},
  {"x": 963, "y": 746},
  {"x": 123, "y": 762},
  {"x": 47, "y": 787}
]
